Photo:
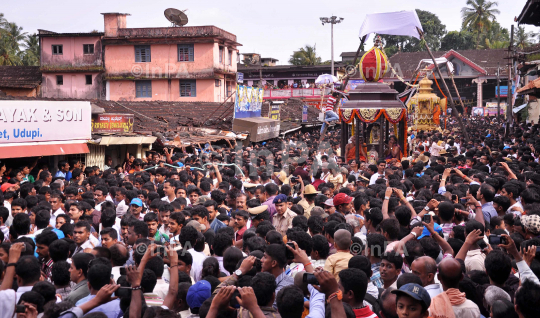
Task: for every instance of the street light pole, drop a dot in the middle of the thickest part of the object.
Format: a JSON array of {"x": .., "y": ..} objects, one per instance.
[{"x": 332, "y": 20}]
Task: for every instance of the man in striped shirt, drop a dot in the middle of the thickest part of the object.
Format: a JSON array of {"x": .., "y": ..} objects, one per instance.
[{"x": 329, "y": 114}]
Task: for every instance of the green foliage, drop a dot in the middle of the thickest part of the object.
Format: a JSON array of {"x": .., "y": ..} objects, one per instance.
[
  {"x": 522, "y": 39},
  {"x": 433, "y": 28},
  {"x": 478, "y": 16},
  {"x": 457, "y": 40},
  {"x": 305, "y": 56},
  {"x": 12, "y": 38}
]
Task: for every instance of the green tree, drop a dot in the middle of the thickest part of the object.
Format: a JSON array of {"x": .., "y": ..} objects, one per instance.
[
  {"x": 478, "y": 16},
  {"x": 433, "y": 28},
  {"x": 32, "y": 52},
  {"x": 523, "y": 38},
  {"x": 496, "y": 37},
  {"x": 305, "y": 56},
  {"x": 457, "y": 40}
]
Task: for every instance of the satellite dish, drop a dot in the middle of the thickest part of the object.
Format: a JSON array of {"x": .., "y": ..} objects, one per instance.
[{"x": 177, "y": 17}]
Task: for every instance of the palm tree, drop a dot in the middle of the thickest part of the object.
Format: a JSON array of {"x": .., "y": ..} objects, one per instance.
[
  {"x": 496, "y": 37},
  {"x": 32, "y": 51},
  {"x": 8, "y": 54},
  {"x": 523, "y": 38},
  {"x": 305, "y": 56},
  {"x": 478, "y": 16},
  {"x": 14, "y": 34}
]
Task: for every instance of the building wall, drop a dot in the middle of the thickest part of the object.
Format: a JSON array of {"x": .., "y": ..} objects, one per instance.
[
  {"x": 120, "y": 60},
  {"x": 165, "y": 90},
  {"x": 74, "y": 86},
  {"x": 24, "y": 92},
  {"x": 73, "y": 54}
]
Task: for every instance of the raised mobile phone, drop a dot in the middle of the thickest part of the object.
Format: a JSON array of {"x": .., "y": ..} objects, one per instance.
[
  {"x": 310, "y": 278},
  {"x": 427, "y": 218}
]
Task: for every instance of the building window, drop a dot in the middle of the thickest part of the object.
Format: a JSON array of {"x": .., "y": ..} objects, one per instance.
[
  {"x": 88, "y": 48},
  {"x": 188, "y": 88},
  {"x": 143, "y": 89},
  {"x": 218, "y": 83},
  {"x": 88, "y": 79},
  {"x": 220, "y": 55},
  {"x": 142, "y": 53},
  {"x": 59, "y": 79},
  {"x": 57, "y": 49},
  {"x": 185, "y": 53},
  {"x": 230, "y": 57}
]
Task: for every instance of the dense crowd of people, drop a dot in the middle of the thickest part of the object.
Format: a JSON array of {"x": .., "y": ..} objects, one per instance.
[{"x": 287, "y": 228}]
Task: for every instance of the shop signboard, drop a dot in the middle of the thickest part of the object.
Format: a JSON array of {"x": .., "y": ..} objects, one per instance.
[
  {"x": 274, "y": 111},
  {"x": 38, "y": 121},
  {"x": 112, "y": 123}
]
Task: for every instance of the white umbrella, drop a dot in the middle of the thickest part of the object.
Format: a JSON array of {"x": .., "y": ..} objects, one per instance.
[{"x": 326, "y": 79}]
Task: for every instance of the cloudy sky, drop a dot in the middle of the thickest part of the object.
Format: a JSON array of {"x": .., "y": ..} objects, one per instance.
[{"x": 273, "y": 28}]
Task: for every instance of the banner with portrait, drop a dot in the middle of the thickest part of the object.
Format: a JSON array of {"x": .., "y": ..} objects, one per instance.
[{"x": 248, "y": 101}]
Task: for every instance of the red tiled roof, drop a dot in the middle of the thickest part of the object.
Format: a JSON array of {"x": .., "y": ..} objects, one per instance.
[{"x": 20, "y": 76}]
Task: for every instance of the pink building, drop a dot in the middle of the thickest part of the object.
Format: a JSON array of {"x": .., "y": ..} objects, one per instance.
[
  {"x": 191, "y": 63},
  {"x": 71, "y": 64}
]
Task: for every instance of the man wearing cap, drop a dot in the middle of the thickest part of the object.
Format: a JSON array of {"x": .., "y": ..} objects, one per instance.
[
  {"x": 282, "y": 220},
  {"x": 531, "y": 224},
  {"x": 196, "y": 295},
  {"x": 329, "y": 207},
  {"x": 136, "y": 207},
  {"x": 308, "y": 199},
  {"x": 342, "y": 203},
  {"x": 412, "y": 301}
]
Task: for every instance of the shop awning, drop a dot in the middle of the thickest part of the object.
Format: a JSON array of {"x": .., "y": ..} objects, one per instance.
[{"x": 42, "y": 149}]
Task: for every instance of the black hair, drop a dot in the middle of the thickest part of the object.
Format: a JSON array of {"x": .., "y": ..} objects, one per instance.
[
  {"x": 46, "y": 237},
  {"x": 81, "y": 261},
  {"x": 60, "y": 273},
  {"x": 148, "y": 281},
  {"x": 21, "y": 223},
  {"x": 375, "y": 243},
  {"x": 210, "y": 267},
  {"x": 394, "y": 258},
  {"x": 264, "y": 286},
  {"x": 391, "y": 228},
  {"x": 156, "y": 265},
  {"x": 35, "y": 298},
  {"x": 290, "y": 302},
  {"x": 407, "y": 278},
  {"x": 185, "y": 257},
  {"x": 140, "y": 228},
  {"x": 278, "y": 253},
  {"x": 45, "y": 289},
  {"x": 231, "y": 257},
  {"x": 28, "y": 269},
  {"x": 99, "y": 275},
  {"x": 315, "y": 224},
  {"x": 187, "y": 234},
  {"x": 498, "y": 266},
  {"x": 255, "y": 243},
  {"x": 430, "y": 246},
  {"x": 221, "y": 242},
  {"x": 356, "y": 280},
  {"x": 527, "y": 299},
  {"x": 59, "y": 250}
]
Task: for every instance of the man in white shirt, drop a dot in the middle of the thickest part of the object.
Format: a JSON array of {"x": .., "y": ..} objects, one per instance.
[
  {"x": 381, "y": 165},
  {"x": 170, "y": 191}
]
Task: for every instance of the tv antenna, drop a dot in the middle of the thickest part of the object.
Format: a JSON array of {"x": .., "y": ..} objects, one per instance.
[{"x": 177, "y": 17}]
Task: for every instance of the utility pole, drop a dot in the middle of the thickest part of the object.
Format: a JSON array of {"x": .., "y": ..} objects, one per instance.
[
  {"x": 509, "y": 94},
  {"x": 332, "y": 20},
  {"x": 499, "y": 92}
]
